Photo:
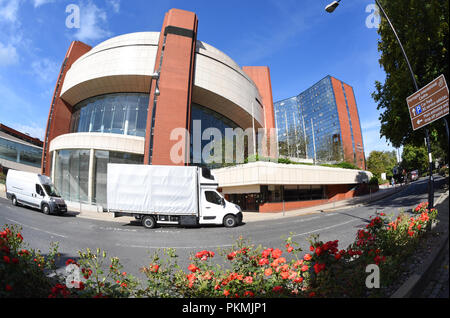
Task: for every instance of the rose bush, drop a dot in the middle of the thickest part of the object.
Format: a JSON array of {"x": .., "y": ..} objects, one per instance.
[{"x": 250, "y": 271}]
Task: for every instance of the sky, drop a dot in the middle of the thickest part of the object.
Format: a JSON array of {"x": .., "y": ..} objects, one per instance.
[{"x": 299, "y": 41}]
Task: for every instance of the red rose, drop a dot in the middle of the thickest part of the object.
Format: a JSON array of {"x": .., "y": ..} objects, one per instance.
[
  {"x": 277, "y": 253},
  {"x": 277, "y": 289},
  {"x": 193, "y": 268},
  {"x": 307, "y": 257},
  {"x": 248, "y": 280},
  {"x": 249, "y": 294},
  {"x": 318, "y": 251},
  {"x": 8, "y": 288}
]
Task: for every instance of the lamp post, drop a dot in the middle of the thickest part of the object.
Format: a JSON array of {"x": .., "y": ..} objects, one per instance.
[{"x": 330, "y": 8}]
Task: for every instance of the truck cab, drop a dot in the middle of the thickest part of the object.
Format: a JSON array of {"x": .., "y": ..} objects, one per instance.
[{"x": 214, "y": 208}]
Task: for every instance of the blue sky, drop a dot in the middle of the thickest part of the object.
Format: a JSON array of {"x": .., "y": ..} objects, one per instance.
[{"x": 297, "y": 39}]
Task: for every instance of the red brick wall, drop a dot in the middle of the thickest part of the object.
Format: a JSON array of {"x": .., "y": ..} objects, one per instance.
[
  {"x": 334, "y": 193},
  {"x": 357, "y": 135},
  {"x": 261, "y": 77},
  {"x": 62, "y": 111},
  {"x": 343, "y": 119},
  {"x": 175, "y": 85}
]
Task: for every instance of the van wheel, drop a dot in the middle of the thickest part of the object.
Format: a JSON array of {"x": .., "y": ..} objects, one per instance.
[
  {"x": 14, "y": 201},
  {"x": 45, "y": 209},
  {"x": 149, "y": 222},
  {"x": 229, "y": 221}
]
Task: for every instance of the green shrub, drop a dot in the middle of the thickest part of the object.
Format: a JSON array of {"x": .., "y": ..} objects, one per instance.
[{"x": 252, "y": 271}]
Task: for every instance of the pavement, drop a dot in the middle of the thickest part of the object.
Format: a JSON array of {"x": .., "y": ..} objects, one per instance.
[
  {"x": 431, "y": 278},
  {"x": 436, "y": 278},
  {"x": 96, "y": 213}
]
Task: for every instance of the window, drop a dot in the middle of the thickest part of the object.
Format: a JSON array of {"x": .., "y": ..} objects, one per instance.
[
  {"x": 213, "y": 197},
  {"x": 120, "y": 113},
  {"x": 39, "y": 190}
]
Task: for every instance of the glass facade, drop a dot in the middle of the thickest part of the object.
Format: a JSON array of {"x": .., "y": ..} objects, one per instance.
[
  {"x": 308, "y": 124},
  {"x": 71, "y": 175},
  {"x": 121, "y": 113},
  {"x": 20, "y": 153},
  {"x": 210, "y": 119}
]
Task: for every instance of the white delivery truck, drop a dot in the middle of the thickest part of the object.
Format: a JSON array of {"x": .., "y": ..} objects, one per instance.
[
  {"x": 178, "y": 195},
  {"x": 34, "y": 190}
]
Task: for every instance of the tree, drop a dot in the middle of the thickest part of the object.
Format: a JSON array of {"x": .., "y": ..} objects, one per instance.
[
  {"x": 415, "y": 158},
  {"x": 422, "y": 26},
  {"x": 381, "y": 161}
]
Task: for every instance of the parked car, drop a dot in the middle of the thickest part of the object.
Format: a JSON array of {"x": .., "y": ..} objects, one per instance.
[
  {"x": 414, "y": 175},
  {"x": 33, "y": 190}
]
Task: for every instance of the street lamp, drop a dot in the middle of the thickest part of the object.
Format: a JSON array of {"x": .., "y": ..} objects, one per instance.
[{"x": 330, "y": 8}]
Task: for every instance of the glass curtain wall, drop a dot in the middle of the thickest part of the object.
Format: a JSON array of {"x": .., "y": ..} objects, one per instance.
[
  {"x": 211, "y": 119},
  {"x": 122, "y": 113},
  {"x": 308, "y": 124},
  {"x": 71, "y": 175},
  {"x": 20, "y": 153}
]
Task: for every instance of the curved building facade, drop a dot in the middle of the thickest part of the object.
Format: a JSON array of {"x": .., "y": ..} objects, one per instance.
[{"x": 109, "y": 107}]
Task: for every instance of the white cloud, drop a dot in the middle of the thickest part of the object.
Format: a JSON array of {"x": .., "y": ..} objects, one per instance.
[
  {"x": 115, "y": 4},
  {"x": 8, "y": 55},
  {"x": 45, "y": 69},
  {"x": 33, "y": 130},
  {"x": 8, "y": 10},
  {"x": 38, "y": 3},
  {"x": 93, "y": 23}
]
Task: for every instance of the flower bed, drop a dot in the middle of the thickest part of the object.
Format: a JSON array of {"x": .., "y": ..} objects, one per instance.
[{"x": 254, "y": 271}]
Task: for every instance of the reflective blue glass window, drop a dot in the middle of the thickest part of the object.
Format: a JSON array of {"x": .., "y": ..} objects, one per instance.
[
  {"x": 122, "y": 113},
  {"x": 20, "y": 153}
]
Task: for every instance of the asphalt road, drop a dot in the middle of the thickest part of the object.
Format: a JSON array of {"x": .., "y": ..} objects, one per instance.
[{"x": 133, "y": 244}]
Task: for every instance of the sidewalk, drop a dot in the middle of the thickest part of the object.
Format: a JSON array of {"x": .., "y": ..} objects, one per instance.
[
  {"x": 427, "y": 270},
  {"x": 353, "y": 202}
]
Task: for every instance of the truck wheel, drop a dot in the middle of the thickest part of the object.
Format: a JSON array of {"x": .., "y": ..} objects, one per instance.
[
  {"x": 229, "y": 221},
  {"x": 149, "y": 222},
  {"x": 14, "y": 201},
  {"x": 45, "y": 209}
]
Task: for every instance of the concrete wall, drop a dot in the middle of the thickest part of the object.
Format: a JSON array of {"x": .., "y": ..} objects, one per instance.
[{"x": 284, "y": 174}]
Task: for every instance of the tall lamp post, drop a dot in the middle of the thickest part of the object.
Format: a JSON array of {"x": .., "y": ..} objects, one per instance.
[{"x": 330, "y": 8}]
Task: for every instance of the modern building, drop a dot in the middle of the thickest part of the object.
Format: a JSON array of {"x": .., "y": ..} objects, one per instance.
[
  {"x": 139, "y": 98},
  {"x": 19, "y": 151},
  {"x": 109, "y": 106},
  {"x": 322, "y": 123}
]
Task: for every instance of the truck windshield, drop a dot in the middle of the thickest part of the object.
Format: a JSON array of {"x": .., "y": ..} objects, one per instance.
[
  {"x": 51, "y": 190},
  {"x": 206, "y": 173}
]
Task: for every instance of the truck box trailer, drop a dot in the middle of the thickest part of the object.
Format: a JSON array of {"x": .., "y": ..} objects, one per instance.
[{"x": 178, "y": 195}]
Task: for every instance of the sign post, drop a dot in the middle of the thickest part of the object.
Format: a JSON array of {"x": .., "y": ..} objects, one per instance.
[{"x": 427, "y": 105}]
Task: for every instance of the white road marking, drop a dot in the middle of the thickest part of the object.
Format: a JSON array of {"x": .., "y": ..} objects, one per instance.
[
  {"x": 175, "y": 247},
  {"x": 36, "y": 229},
  {"x": 325, "y": 228}
]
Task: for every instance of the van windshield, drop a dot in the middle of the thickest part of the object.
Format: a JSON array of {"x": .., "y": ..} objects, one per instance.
[{"x": 51, "y": 190}]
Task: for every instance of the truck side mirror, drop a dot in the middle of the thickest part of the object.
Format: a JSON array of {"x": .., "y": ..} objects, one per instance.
[{"x": 222, "y": 202}]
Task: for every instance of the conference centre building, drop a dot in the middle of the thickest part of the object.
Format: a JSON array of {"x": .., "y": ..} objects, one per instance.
[{"x": 146, "y": 97}]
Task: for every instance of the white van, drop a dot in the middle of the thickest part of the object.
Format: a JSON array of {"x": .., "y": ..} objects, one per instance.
[{"x": 34, "y": 190}]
